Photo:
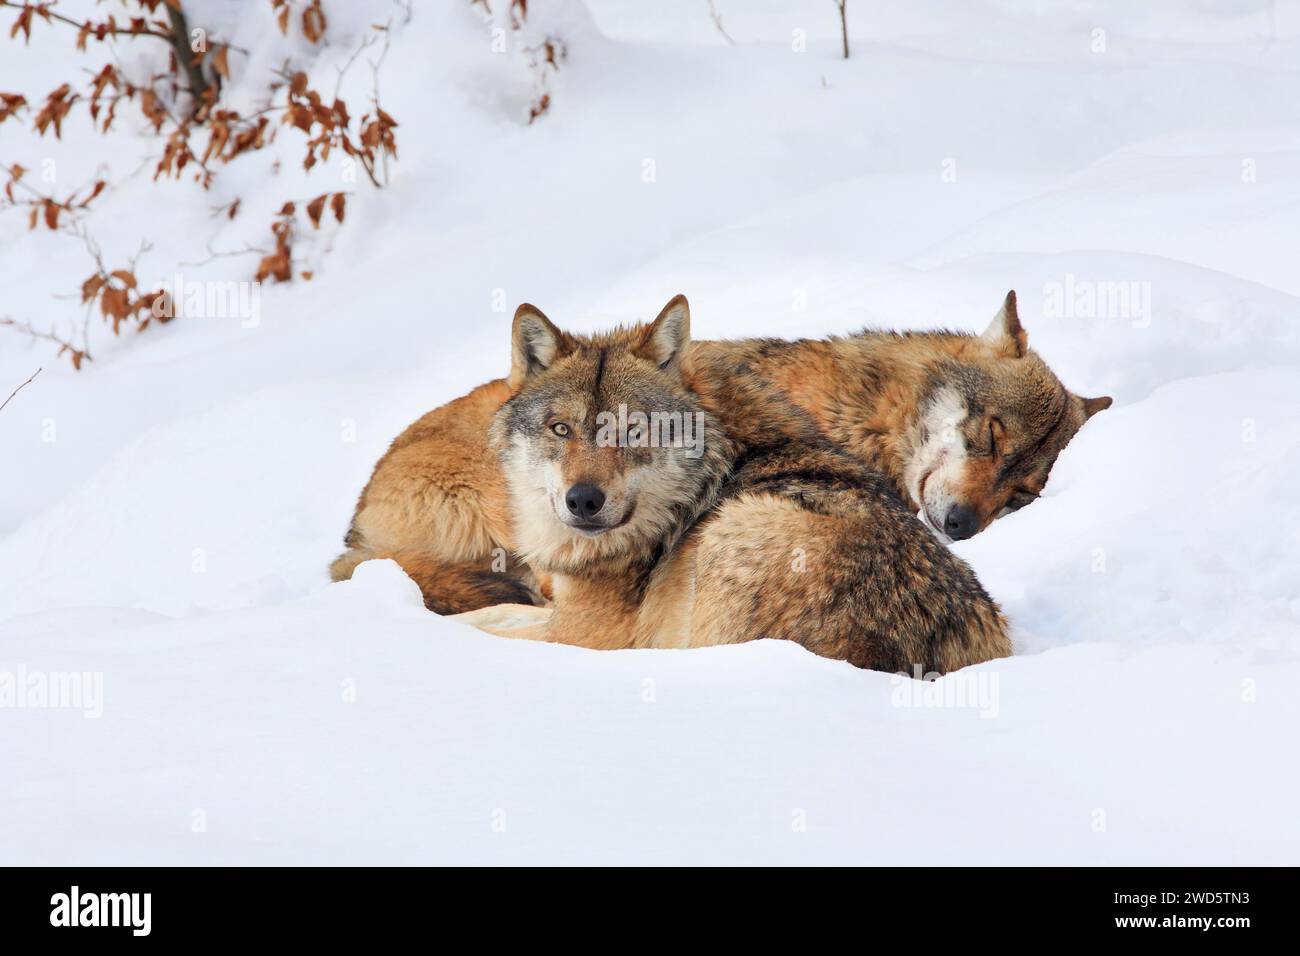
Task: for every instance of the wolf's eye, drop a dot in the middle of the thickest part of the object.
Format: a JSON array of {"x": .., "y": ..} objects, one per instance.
[
  {"x": 560, "y": 429},
  {"x": 994, "y": 427},
  {"x": 1019, "y": 499}
]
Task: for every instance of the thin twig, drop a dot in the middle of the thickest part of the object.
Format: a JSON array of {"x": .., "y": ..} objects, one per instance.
[
  {"x": 213, "y": 254},
  {"x": 26, "y": 328},
  {"x": 18, "y": 389},
  {"x": 343, "y": 70},
  {"x": 374, "y": 92},
  {"x": 844, "y": 24},
  {"x": 717, "y": 22}
]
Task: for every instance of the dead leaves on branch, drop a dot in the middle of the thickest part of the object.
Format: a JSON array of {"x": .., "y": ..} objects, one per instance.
[
  {"x": 329, "y": 126},
  {"x": 119, "y": 299},
  {"x": 106, "y": 28},
  {"x": 327, "y": 123},
  {"x": 115, "y": 294},
  {"x": 313, "y": 19},
  {"x": 66, "y": 346},
  {"x": 184, "y": 99},
  {"x": 57, "y": 104},
  {"x": 543, "y": 59},
  {"x": 23, "y": 24},
  {"x": 316, "y": 208},
  {"x": 46, "y": 208},
  {"x": 278, "y": 264}
]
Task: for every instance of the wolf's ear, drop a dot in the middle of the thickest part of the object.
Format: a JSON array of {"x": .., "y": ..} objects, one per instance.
[
  {"x": 667, "y": 337},
  {"x": 1091, "y": 406},
  {"x": 1005, "y": 334},
  {"x": 534, "y": 344}
]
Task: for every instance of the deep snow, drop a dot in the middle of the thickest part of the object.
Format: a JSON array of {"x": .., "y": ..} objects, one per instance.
[{"x": 173, "y": 535}]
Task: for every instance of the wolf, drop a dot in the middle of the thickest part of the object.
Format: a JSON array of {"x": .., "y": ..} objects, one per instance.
[
  {"x": 964, "y": 428},
  {"x": 772, "y": 532}
]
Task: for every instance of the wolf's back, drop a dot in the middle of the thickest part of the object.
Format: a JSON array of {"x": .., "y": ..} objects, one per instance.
[{"x": 809, "y": 546}]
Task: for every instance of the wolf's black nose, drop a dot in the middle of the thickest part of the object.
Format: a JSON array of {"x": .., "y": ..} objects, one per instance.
[
  {"x": 960, "y": 522},
  {"x": 584, "y": 501}
]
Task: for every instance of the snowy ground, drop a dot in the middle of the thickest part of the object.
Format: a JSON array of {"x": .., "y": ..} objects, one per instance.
[{"x": 167, "y": 514}]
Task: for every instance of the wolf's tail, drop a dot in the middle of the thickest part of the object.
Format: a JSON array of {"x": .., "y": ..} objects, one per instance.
[{"x": 450, "y": 587}]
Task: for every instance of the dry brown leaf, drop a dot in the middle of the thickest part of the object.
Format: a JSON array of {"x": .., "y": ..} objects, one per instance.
[
  {"x": 95, "y": 191},
  {"x": 275, "y": 266},
  {"x": 90, "y": 288},
  {"x": 313, "y": 22},
  {"x": 315, "y": 208}
]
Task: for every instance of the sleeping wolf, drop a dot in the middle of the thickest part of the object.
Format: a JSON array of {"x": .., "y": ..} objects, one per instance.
[{"x": 964, "y": 428}]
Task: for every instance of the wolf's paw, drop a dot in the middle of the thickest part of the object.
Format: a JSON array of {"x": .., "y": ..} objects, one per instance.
[{"x": 509, "y": 620}]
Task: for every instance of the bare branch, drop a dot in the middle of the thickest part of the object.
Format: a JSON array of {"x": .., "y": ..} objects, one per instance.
[
  {"x": 18, "y": 389},
  {"x": 26, "y": 328},
  {"x": 717, "y": 22},
  {"x": 214, "y": 254}
]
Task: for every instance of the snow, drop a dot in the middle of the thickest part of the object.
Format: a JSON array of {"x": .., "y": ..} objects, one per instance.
[{"x": 174, "y": 533}]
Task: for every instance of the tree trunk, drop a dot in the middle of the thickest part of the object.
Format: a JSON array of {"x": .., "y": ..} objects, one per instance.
[{"x": 185, "y": 56}]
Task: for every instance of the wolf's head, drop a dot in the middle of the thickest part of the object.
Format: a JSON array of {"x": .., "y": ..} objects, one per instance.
[
  {"x": 991, "y": 424},
  {"x": 605, "y": 448}
]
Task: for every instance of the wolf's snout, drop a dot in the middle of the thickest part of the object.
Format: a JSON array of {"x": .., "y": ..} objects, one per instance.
[
  {"x": 584, "y": 501},
  {"x": 960, "y": 523}
]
